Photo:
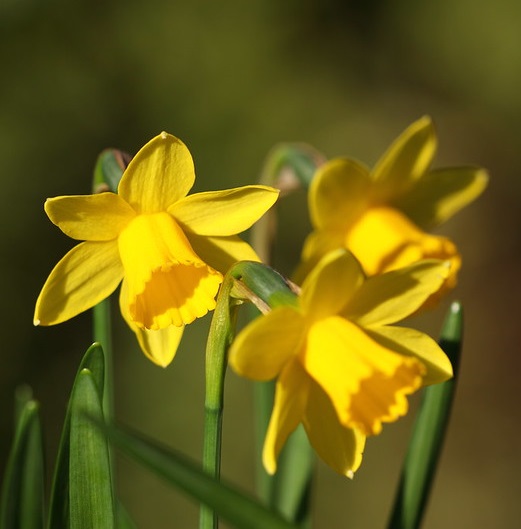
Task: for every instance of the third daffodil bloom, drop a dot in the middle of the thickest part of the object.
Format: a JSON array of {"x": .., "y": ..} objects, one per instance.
[
  {"x": 342, "y": 367},
  {"x": 382, "y": 215},
  {"x": 169, "y": 249}
]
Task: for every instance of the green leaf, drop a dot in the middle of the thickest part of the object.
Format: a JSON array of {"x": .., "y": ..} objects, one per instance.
[
  {"x": 93, "y": 360},
  {"x": 287, "y": 491},
  {"x": 263, "y": 398},
  {"x": 22, "y": 500},
  {"x": 22, "y": 396},
  {"x": 231, "y": 505},
  {"x": 292, "y": 484},
  {"x": 428, "y": 434},
  {"x": 90, "y": 483}
]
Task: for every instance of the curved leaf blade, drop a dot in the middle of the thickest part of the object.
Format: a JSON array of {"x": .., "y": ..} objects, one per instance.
[
  {"x": 428, "y": 434},
  {"x": 230, "y": 504},
  {"x": 58, "y": 517},
  {"x": 22, "y": 499},
  {"x": 90, "y": 483}
]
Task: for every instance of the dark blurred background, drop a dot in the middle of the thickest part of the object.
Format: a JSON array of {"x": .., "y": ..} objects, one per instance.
[{"x": 232, "y": 78}]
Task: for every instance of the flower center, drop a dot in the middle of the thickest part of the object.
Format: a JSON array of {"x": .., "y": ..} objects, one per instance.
[
  {"x": 367, "y": 383},
  {"x": 384, "y": 239},
  {"x": 168, "y": 283}
]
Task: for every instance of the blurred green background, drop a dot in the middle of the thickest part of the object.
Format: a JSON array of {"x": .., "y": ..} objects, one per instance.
[{"x": 232, "y": 78}]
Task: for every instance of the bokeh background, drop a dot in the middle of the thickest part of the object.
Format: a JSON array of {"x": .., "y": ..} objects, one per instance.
[{"x": 232, "y": 78}]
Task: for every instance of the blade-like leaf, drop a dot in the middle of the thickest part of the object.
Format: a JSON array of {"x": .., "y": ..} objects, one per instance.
[
  {"x": 90, "y": 483},
  {"x": 22, "y": 395},
  {"x": 231, "y": 505},
  {"x": 22, "y": 500},
  {"x": 94, "y": 361},
  {"x": 428, "y": 434},
  {"x": 291, "y": 492},
  {"x": 288, "y": 491}
]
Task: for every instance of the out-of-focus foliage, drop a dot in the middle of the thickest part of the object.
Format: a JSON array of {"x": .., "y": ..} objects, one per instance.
[{"x": 232, "y": 79}]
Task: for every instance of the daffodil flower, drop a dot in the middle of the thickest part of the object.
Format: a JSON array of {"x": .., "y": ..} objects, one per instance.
[
  {"x": 342, "y": 368},
  {"x": 169, "y": 249},
  {"x": 382, "y": 215}
]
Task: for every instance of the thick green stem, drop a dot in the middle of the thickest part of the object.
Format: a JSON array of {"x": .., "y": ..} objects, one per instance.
[
  {"x": 102, "y": 331},
  {"x": 102, "y": 334},
  {"x": 107, "y": 174},
  {"x": 219, "y": 339}
]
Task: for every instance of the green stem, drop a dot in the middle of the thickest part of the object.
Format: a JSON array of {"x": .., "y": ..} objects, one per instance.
[
  {"x": 107, "y": 174},
  {"x": 102, "y": 331},
  {"x": 245, "y": 280},
  {"x": 103, "y": 335},
  {"x": 221, "y": 334}
]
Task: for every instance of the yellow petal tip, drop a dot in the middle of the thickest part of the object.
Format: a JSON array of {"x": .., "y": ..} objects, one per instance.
[
  {"x": 270, "y": 464},
  {"x": 270, "y": 471},
  {"x": 350, "y": 474},
  {"x": 36, "y": 322},
  {"x": 164, "y": 135}
]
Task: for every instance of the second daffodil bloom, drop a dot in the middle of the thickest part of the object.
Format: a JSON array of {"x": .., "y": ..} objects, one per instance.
[
  {"x": 382, "y": 215},
  {"x": 342, "y": 368},
  {"x": 169, "y": 249}
]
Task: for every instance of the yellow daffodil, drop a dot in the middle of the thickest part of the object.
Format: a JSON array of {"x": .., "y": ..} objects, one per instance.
[
  {"x": 381, "y": 215},
  {"x": 169, "y": 249},
  {"x": 342, "y": 368}
]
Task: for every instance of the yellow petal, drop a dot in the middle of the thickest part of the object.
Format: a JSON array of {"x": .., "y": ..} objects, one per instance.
[
  {"x": 382, "y": 398},
  {"x": 221, "y": 252},
  {"x": 98, "y": 217},
  {"x": 384, "y": 239},
  {"x": 339, "y": 447},
  {"x": 291, "y": 395},
  {"x": 366, "y": 382},
  {"x": 317, "y": 244},
  {"x": 320, "y": 242},
  {"x": 415, "y": 343},
  {"x": 406, "y": 160},
  {"x": 440, "y": 194},
  {"x": 222, "y": 213},
  {"x": 161, "y": 173},
  {"x": 159, "y": 346},
  {"x": 87, "y": 274},
  {"x": 391, "y": 297},
  {"x": 338, "y": 193},
  {"x": 263, "y": 347},
  {"x": 168, "y": 283},
  {"x": 328, "y": 288}
]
